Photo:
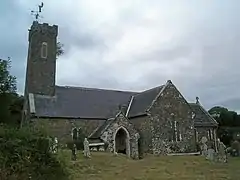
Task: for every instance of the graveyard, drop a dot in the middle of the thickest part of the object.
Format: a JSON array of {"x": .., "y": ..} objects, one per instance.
[{"x": 106, "y": 166}]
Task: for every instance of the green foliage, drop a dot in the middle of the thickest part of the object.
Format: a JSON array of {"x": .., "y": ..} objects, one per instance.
[
  {"x": 7, "y": 81},
  {"x": 11, "y": 108},
  {"x": 229, "y": 123},
  {"x": 60, "y": 50},
  {"x": 225, "y": 117},
  {"x": 10, "y": 103},
  {"x": 24, "y": 153}
]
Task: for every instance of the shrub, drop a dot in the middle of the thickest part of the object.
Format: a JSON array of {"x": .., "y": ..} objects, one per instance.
[
  {"x": 235, "y": 149},
  {"x": 25, "y": 154}
]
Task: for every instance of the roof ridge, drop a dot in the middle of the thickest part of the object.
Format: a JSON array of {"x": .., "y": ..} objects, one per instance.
[
  {"x": 204, "y": 111},
  {"x": 207, "y": 113},
  {"x": 98, "y": 89}
]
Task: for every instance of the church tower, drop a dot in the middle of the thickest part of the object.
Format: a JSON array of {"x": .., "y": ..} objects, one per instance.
[{"x": 41, "y": 61}]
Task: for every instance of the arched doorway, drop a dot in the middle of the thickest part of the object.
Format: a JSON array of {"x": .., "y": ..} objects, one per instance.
[{"x": 121, "y": 141}]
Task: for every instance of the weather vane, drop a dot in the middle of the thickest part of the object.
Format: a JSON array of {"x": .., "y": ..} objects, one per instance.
[{"x": 36, "y": 14}]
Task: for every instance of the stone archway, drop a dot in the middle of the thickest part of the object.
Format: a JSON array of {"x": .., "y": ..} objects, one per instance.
[{"x": 122, "y": 141}]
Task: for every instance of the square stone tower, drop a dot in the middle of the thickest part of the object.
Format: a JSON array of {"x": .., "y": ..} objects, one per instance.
[{"x": 41, "y": 61}]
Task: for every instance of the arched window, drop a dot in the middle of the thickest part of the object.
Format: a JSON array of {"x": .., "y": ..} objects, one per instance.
[
  {"x": 44, "y": 50},
  {"x": 175, "y": 133}
]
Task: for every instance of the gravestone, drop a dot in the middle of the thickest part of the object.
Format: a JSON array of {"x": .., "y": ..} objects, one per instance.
[
  {"x": 210, "y": 154},
  {"x": 222, "y": 155},
  {"x": 94, "y": 149},
  {"x": 86, "y": 148},
  {"x": 235, "y": 148},
  {"x": 74, "y": 152},
  {"x": 55, "y": 145},
  {"x": 204, "y": 147},
  {"x": 101, "y": 149}
]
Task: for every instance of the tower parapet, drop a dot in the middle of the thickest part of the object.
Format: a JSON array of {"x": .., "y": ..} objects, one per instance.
[
  {"x": 44, "y": 28},
  {"x": 41, "y": 62}
]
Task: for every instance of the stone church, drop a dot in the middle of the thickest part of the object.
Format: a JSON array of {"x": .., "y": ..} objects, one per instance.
[{"x": 158, "y": 121}]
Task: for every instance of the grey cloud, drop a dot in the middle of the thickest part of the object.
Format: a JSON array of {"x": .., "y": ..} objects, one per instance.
[
  {"x": 164, "y": 54},
  {"x": 83, "y": 40},
  {"x": 214, "y": 33}
]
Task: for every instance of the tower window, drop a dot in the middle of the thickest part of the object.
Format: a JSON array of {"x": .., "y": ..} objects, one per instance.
[{"x": 44, "y": 50}]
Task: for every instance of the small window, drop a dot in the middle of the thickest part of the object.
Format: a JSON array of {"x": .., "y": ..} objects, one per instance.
[{"x": 44, "y": 50}]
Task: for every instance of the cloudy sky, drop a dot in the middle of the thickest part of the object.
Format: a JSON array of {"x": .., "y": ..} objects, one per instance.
[{"x": 135, "y": 45}]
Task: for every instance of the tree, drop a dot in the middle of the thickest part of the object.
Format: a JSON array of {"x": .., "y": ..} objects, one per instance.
[
  {"x": 60, "y": 50},
  {"x": 7, "y": 87},
  {"x": 225, "y": 117},
  {"x": 228, "y": 121},
  {"x": 7, "y": 81},
  {"x": 10, "y": 102}
]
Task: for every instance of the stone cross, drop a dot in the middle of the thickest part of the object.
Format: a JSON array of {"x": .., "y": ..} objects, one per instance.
[
  {"x": 86, "y": 148},
  {"x": 74, "y": 152},
  {"x": 222, "y": 155}
]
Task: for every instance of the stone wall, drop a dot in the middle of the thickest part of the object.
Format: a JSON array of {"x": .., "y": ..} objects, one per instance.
[
  {"x": 62, "y": 128},
  {"x": 40, "y": 74},
  {"x": 171, "y": 106},
  {"x": 143, "y": 126},
  {"x": 109, "y": 135}
]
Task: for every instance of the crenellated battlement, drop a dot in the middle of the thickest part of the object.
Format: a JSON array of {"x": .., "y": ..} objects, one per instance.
[{"x": 44, "y": 28}]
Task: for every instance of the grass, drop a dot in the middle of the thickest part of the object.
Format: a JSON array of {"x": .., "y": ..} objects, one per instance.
[{"x": 104, "y": 166}]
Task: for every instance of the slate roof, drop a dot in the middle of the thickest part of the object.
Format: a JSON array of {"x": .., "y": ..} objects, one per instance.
[
  {"x": 202, "y": 117},
  {"x": 98, "y": 132},
  {"x": 142, "y": 101},
  {"x": 91, "y": 103},
  {"x": 78, "y": 102}
]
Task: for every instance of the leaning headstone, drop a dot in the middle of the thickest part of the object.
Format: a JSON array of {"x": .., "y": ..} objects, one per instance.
[
  {"x": 210, "y": 154},
  {"x": 235, "y": 148},
  {"x": 222, "y": 155},
  {"x": 101, "y": 149},
  {"x": 74, "y": 152},
  {"x": 86, "y": 148},
  {"x": 94, "y": 149},
  {"x": 204, "y": 147}
]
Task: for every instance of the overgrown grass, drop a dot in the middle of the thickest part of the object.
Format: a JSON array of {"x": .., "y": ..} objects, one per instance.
[
  {"x": 106, "y": 166},
  {"x": 24, "y": 154}
]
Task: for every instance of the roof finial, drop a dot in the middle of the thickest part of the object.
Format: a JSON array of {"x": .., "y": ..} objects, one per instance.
[
  {"x": 197, "y": 100},
  {"x": 169, "y": 81}
]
